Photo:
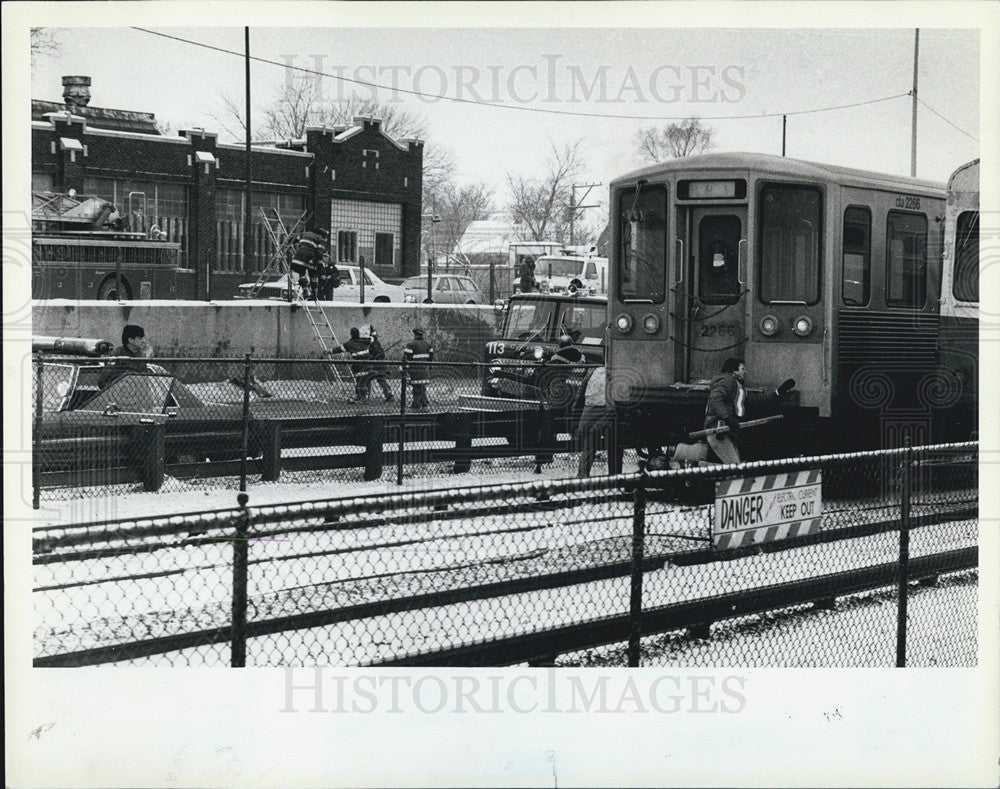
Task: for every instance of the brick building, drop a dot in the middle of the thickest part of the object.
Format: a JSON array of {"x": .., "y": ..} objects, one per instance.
[{"x": 356, "y": 181}]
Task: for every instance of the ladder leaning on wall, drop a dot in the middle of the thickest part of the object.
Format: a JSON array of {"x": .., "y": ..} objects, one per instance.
[{"x": 283, "y": 240}]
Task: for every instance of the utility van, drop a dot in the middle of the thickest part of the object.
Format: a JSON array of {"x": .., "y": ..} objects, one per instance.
[{"x": 571, "y": 271}]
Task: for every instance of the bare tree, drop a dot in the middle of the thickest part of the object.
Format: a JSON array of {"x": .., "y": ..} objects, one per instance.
[
  {"x": 297, "y": 106},
  {"x": 674, "y": 140},
  {"x": 541, "y": 205},
  {"x": 44, "y": 43},
  {"x": 459, "y": 207}
]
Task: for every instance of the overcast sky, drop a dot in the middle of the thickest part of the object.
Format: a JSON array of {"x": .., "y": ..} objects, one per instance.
[{"x": 723, "y": 75}]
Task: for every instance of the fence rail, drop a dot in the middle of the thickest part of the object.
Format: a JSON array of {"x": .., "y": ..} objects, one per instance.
[
  {"x": 623, "y": 567},
  {"x": 185, "y": 419}
]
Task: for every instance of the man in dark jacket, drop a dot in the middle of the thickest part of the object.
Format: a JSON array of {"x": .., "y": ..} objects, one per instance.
[
  {"x": 133, "y": 348},
  {"x": 308, "y": 258},
  {"x": 378, "y": 372},
  {"x": 727, "y": 400},
  {"x": 360, "y": 353},
  {"x": 416, "y": 354}
]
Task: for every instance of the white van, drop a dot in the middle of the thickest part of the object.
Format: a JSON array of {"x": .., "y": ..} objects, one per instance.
[{"x": 571, "y": 271}]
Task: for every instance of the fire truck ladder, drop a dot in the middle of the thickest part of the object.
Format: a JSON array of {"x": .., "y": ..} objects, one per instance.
[
  {"x": 323, "y": 332},
  {"x": 283, "y": 239},
  {"x": 322, "y": 329}
]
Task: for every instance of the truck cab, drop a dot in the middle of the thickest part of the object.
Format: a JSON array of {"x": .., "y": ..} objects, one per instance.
[{"x": 520, "y": 358}]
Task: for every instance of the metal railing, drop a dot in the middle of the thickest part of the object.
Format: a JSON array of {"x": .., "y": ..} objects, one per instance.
[
  {"x": 616, "y": 570},
  {"x": 183, "y": 424}
]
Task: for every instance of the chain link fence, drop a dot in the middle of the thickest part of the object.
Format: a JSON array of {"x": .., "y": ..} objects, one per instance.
[
  {"x": 103, "y": 429},
  {"x": 776, "y": 563}
]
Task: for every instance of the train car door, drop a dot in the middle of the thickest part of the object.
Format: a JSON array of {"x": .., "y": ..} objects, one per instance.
[{"x": 716, "y": 297}]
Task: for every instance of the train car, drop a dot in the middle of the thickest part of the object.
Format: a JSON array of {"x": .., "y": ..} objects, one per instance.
[
  {"x": 825, "y": 274},
  {"x": 959, "y": 335}
]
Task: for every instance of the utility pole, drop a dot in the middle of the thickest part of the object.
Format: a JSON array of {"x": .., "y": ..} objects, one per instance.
[
  {"x": 784, "y": 128},
  {"x": 913, "y": 118},
  {"x": 574, "y": 206},
  {"x": 248, "y": 205},
  {"x": 434, "y": 219}
]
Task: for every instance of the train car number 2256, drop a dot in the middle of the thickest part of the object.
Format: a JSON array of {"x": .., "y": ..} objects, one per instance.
[{"x": 907, "y": 202}]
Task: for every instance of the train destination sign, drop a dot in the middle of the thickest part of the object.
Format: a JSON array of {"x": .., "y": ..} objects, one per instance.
[{"x": 764, "y": 509}]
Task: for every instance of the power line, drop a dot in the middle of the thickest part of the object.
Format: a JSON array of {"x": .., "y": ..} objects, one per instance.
[
  {"x": 928, "y": 106},
  {"x": 521, "y": 107}
]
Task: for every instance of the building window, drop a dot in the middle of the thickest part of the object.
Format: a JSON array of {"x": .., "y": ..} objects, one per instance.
[
  {"x": 789, "y": 243},
  {"x": 367, "y": 220},
  {"x": 41, "y": 182},
  {"x": 966, "y": 286},
  {"x": 906, "y": 260},
  {"x": 283, "y": 212},
  {"x": 383, "y": 249},
  {"x": 347, "y": 246},
  {"x": 857, "y": 256},
  {"x": 145, "y": 204}
]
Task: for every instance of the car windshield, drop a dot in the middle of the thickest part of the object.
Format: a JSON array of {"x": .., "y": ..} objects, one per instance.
[
  {"x": 528, "y": 320},
  {"x": 583, "y": 322},
  {"x": 144, "y": 394},
  {"x": 415, "y": 282},
  {"x": 560, "y": 267}
]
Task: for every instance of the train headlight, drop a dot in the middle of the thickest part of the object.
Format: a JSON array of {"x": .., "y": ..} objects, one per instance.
[
  {"x": 538, "y": 352},
  {"x": 650, "y": 324},
  {"x": 802, "y": 326},
  {"x": 769, "y": 325},
  {"x": 624, "y": 323}
]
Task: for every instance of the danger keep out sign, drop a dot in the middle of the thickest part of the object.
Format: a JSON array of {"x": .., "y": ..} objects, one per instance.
[{"x": 763, "y": 509}]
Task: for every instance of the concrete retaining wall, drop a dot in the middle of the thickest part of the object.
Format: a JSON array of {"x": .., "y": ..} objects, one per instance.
[{"x": 228, "y": 329}]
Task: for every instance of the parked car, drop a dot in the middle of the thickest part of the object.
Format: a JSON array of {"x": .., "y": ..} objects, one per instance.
[
  {"x": 445, "y": 289},
  {"x": 349, "y": 289}
]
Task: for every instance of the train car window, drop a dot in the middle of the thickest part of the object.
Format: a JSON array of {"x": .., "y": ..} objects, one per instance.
[
  {"x": 857, "y": 256},
  {"x": 966, "y": 285},
  {"x": 789, "y": 243},
  {"x": 642, "y": 261},
  {"x": 718, "y": 258},
  {"x": 906, "y": 259}
]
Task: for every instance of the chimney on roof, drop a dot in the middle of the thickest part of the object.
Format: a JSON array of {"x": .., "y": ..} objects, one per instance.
[{"x": 76, "y": 91}]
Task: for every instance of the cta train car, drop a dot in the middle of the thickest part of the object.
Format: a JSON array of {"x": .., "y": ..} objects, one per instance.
[
  {"x": 825, "y": 274},
  {"x": 959, "y": 337}
]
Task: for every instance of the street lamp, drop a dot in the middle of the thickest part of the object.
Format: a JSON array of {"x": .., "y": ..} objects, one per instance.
[{"x": 434, "y": 219}]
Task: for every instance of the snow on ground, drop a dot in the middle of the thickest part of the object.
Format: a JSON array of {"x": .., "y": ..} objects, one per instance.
[
  {"x": 860, "y": 631},
  {"x": 114, "y": 502}
]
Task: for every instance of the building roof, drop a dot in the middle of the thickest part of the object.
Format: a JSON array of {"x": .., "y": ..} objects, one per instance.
[
  {"x": 100, "y": 117},
  {"x": 487, "y": 235}
]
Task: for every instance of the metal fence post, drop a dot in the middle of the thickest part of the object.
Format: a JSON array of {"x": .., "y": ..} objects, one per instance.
[
  {"x": 635, "y": 598},
  {"x": 906, "y": 470},
  {"x": 246, "y": 424},
  {"x": 402, "y": 422},
  {"x": 238, "y": 652},
  {"x": 36, "y": 455}
]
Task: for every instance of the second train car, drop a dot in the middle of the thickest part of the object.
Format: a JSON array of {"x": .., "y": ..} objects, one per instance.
[{"x": 825, "y": 274}]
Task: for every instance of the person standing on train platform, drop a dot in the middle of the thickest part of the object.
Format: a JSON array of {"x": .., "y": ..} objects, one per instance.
[{"x": 416, "y": 355}]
